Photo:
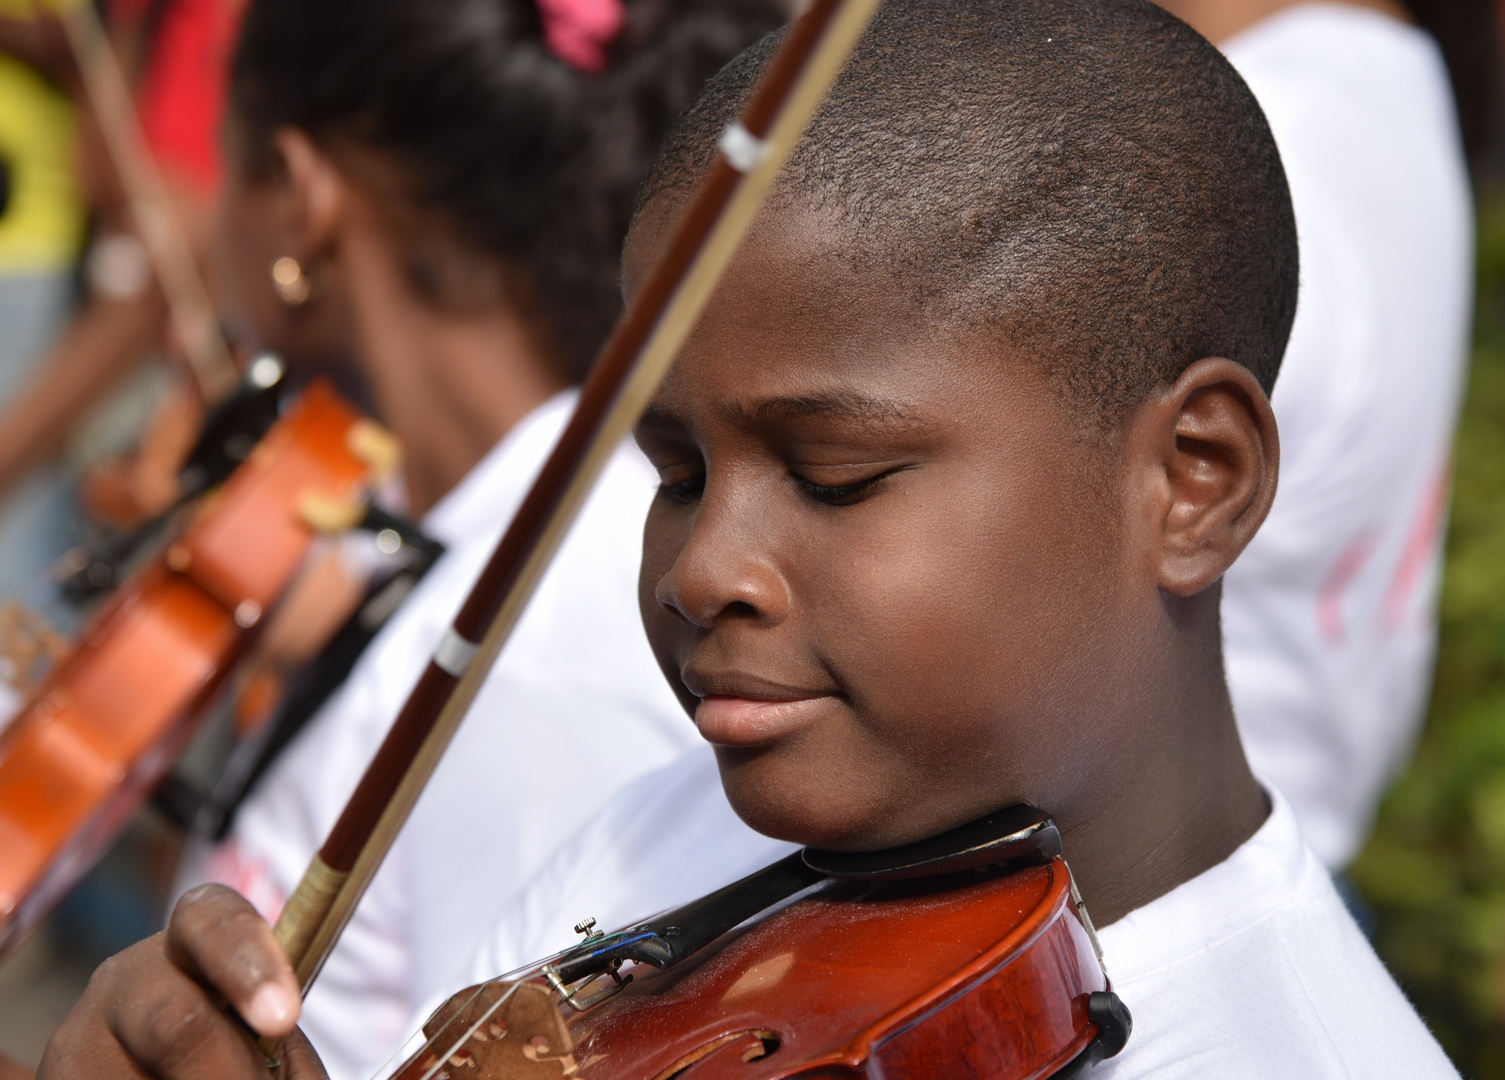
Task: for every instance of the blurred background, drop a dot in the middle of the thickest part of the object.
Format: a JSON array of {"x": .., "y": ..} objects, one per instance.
[
  {"x": 1434, "y": 869},
  {"x": 76, "y": 295}
]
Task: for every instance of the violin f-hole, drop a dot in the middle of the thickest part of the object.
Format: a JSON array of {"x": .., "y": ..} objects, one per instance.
[{"x": 748, "y": 1045}]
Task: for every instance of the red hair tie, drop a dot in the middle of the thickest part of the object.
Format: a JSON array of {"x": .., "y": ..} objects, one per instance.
[{"x": 580, "y": 32}]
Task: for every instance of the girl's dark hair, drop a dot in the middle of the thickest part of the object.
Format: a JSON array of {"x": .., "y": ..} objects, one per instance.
[
  {"x": 1468, "y": 33},
  {"x": 534, "y": 162}
]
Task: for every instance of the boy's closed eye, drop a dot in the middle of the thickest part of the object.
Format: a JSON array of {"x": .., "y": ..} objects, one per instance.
[
  {"x": 835, "y": 449},
  {"x": 833, "y": 485},
  {"x": 844, "y": 485},
  {"x": 681, "y": 484}
]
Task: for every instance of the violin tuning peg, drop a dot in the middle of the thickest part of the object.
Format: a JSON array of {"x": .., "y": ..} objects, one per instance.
[
  {"x": 376, "y": 446},
  {"x": 326, "y": 515},
  {"x": 178, "y": 558},
  {"x": 587, "y": 926}
]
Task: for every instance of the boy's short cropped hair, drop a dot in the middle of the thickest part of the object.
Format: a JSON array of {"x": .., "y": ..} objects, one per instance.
[{"x": 1088, "y": 179}]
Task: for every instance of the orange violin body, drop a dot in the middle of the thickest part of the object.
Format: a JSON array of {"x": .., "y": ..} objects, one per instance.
[
  {"x": 113, "y": 715},
  {"x": 898, "y": 979}
]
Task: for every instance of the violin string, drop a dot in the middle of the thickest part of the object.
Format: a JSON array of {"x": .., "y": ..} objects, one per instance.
[
  {"x": 515, "y": 976},
  {"x": 457, "y": 1045}
]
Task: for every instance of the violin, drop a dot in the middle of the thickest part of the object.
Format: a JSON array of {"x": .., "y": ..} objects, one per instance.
[
  {"x": 965, "y": 954},
  {"x": 969, "y": 954},
  {"x": 112, "y": 716}
]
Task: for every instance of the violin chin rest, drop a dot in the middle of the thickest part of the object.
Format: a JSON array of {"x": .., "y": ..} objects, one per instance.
[
  {"x": 1014, "y": 834},
  {"x": 1107, "y": 1010}
]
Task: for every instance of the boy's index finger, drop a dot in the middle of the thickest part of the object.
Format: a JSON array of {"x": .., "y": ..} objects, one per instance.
[{"x": 218, "y": 938}]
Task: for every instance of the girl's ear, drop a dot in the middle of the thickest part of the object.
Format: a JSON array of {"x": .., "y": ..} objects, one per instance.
[
  {"x": 312, "y": 194},
  {"x": 1208, "y": 455}
]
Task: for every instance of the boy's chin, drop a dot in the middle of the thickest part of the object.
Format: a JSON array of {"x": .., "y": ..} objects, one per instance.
[{"x": 793, "y": 801}]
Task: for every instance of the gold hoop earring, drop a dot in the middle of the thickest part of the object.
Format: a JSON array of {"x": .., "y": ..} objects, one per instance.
[{"x": 290, "y": 283}]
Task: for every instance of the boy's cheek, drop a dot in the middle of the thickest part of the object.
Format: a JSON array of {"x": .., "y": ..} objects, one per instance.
[{"x": 661, "y": 545}]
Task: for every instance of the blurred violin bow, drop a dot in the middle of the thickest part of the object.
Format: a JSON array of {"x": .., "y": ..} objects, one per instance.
[{"x": 156, "y": 218}]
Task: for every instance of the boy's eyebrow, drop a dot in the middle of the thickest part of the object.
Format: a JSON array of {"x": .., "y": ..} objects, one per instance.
[{"x": 835, "y": 405}]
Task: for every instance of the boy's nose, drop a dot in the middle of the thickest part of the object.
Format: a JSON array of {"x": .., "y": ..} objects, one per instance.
[{"x": 720, "y": 574}]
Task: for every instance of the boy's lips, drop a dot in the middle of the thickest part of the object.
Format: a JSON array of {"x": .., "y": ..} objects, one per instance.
[
  {"x": 746, "y": 711},
  {"x": 739, "y": 721}
]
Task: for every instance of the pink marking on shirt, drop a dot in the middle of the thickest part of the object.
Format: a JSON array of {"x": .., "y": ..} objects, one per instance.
[
  {"x": 1330, "y": 595},
  {"x": 1426, "y": 534},
  {"x": 248, "y": 875}
]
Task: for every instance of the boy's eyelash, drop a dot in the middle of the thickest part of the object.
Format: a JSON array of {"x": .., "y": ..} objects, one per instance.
[
  {"x": 841, "y": 494},
  {"x": 686, "y": 491}
]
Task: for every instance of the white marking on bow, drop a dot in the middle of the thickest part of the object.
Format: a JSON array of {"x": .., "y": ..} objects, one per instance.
[
  {"x": 742, "y": 148},
  {"x": 454, "y": 653}
]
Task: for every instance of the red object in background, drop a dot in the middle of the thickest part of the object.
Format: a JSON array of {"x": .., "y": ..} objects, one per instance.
[{"x": 181, "y": 89}]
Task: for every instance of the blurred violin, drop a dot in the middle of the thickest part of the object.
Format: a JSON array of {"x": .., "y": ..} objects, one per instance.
[
  {"x": 112, "y": 716},
  {"x": 969, "y": 954},
  {"x": 220, "y": 506}
]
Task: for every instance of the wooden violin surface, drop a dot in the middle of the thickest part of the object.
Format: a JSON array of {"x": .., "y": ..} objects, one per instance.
[
  {"x": 113, "y": 715},
  {"x": 894, "y": 980}
]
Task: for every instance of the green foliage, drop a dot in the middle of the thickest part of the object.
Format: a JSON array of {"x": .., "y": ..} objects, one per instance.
[{"x": 1434, "y": 869}]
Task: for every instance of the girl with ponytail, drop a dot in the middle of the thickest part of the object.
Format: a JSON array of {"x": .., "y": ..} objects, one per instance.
[{"x": 427, "y": 200}]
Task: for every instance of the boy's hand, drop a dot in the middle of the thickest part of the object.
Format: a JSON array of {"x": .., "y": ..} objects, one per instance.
[{"x": 158, "y": 1008}]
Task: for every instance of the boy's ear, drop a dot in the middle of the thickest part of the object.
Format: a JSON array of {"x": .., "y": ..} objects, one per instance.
[
  {"x": 1208, "y": 453},
  {"x": 311, "y": 194}
]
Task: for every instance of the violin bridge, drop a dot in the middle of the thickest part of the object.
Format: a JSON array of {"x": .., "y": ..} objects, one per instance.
[
  {"x": 497, "y": 1031},
  {"x": 28, "y": 646}
]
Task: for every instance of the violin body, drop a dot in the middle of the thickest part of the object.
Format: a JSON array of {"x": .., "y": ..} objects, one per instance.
[
  {"x": 113, "y": 715},
  {"x": 896, "y": 979}
]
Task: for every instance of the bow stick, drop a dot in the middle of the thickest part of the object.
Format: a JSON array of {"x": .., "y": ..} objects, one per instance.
[
  {"x": 188, "y": 302},
  {"x": 627, "y": 373}
]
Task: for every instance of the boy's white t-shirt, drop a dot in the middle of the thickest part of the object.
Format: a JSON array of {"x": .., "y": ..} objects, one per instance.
[
  {"x": 1252, "y": 969},
  {"x": 1329, "y": 616}
]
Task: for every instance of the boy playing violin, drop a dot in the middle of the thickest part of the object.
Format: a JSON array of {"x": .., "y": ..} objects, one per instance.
[{"x": 951, "y": 469}]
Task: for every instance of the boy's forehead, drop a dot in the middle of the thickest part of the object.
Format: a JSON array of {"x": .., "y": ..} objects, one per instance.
[
  {"x": 803, "y": 326},
  {"x": 797, "y": 281},
  {"x": 789, "y": 239}
]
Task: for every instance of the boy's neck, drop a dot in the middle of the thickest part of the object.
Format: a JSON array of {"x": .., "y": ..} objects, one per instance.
[{"x": 1182, "y": 797}]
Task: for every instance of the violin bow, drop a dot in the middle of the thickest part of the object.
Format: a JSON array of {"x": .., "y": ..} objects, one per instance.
[
  {"x": 627, "y": 374},
  {"x": 156, "y": 218}
]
